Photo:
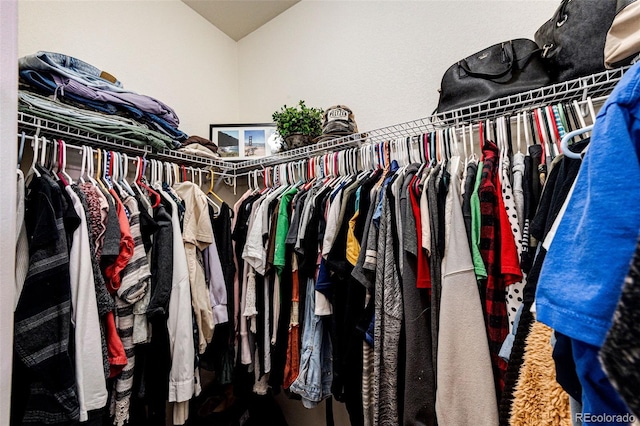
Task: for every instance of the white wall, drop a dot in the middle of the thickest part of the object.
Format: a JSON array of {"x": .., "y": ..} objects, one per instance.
[
  {"x": 163, "y": 49},
  {"x": 384, "y": 59},
  {"x": 8, "y": 161}
]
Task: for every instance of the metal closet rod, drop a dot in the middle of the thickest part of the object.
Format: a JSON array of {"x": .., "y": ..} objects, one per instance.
[{"x": 595, "y": 86}]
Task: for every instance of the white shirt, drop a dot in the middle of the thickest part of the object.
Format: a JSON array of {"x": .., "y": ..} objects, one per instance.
[
  {"x": 92, "y": 387},
  {"x": 181, "y": 377}
]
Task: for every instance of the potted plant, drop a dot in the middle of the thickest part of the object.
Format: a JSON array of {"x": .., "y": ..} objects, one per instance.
[{"x": 299, "y": 125}]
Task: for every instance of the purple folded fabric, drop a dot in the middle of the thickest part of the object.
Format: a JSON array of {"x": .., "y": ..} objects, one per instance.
[{"x": 142, "y": 102}]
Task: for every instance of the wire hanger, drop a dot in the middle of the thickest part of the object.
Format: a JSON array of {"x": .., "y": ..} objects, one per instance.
[{"x": 211, "y": 192}]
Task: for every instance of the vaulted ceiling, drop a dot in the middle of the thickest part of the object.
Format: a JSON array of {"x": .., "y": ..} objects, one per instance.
[{"x": 237, "y": 18}]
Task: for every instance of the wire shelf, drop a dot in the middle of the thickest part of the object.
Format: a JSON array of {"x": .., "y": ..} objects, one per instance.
[
  {"x": 591, "y": 86},
  {"x": 32, "y": 124},
  {"x": 595, "y": 86}
]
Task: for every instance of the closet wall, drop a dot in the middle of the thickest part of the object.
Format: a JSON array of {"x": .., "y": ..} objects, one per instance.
[
  {"x": 162, "y": 49},
  {"x": 8, "y": 111},
  {"x": 384, "y": 59}
]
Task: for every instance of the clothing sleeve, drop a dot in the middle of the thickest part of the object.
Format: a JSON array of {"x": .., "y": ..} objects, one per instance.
[
  {"x": 217, "y": 288},
  {"x": 332, "y": 225},
  {"x": 425, "y": 220},
  {"x": 92, "y": 388},
  {"x": 254, "y": 253},
  {"x": 179, "y": 323},
  {"x": 204, "y": 234}
]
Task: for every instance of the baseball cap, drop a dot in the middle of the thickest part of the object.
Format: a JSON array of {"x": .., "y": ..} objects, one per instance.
[{"x": 338, "y": 120}]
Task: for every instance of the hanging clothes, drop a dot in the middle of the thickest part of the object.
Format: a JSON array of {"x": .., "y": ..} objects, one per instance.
[
  {"x": 44, "y": 388},
  {"x": 464, "y": 379},
  {"x": 596, "y": 197}
]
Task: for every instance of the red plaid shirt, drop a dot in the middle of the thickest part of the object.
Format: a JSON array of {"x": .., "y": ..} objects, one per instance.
[{"x": 494, "y": 305}]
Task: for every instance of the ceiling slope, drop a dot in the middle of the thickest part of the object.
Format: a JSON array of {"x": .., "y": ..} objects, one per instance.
[{"x": 237, "y": 18}]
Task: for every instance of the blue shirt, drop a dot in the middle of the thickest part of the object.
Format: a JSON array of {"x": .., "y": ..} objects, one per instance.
[{"x": 584, "y": 270}]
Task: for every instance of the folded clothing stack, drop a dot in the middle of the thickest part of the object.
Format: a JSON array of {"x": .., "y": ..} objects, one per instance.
[
  {"x": 83, "y": 84},
  {"x": 84, "y": 119},
  {"x": 199, "y": 146}
]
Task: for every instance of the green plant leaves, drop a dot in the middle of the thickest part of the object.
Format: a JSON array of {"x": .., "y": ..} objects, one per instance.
[{"x": 300, "y": 119}]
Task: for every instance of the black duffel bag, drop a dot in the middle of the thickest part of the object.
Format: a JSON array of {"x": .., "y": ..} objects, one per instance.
[
  {"x": 572, "y": 41},
  {"x": 501, "y": 70}
]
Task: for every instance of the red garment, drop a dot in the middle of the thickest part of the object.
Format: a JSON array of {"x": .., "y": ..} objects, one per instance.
[
  {"x": 112, "y": 272},
  {"x": 496, "y": 319},
  {"x": 116, "y": 354},
  {"x": 423, "y": 272},
  {"x": 292, "y": 364},
  {"x": 509, "y": 262}
]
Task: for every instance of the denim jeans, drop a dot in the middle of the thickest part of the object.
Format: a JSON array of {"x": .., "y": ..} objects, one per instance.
[
  {"x": 313, "y": 383},
  {"x": 70, "y": 67}
]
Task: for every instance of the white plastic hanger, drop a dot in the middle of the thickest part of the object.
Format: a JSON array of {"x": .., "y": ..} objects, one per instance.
[
  {"x": 472, "y": 144},
  {"x": 91, "y": 166},
  {"x": 83, "y": 163},
  {"x": 125, "y": 172},
  {"x": 35, "y": 144},
  {"x": 43, "y": 151},
  {"x": 564, "y": 144},
  {"x": 63, "y": 166}
]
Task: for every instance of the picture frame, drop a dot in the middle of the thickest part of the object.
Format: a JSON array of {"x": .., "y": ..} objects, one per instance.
[{"x": 242, "y": 141}]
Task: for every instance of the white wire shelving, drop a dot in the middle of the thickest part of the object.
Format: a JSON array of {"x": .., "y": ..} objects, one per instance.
[{"x": 594, "y": 86}]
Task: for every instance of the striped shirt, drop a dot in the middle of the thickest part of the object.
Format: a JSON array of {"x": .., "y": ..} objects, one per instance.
[{"x": 43, "y": 314}]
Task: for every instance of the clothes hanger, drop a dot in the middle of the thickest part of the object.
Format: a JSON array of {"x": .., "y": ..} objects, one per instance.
[
  {"x": 472, "y": 145},
  {"x": 106, "y": 172},
  {"x": 250, "y": 182},
  {"x": 592, "y": 111},
  {"x": 557, "y": 118},
  {"x": 177, "y": 176},
  {"x": 211, "y": 192},
  {"x": 564, "y": 144},
  {"x": 23, "y": 137},
  {"x": 124, "y": 173},
  {"x": 481, "y": 139},
  {"x": 98, "y": 169},
  {"x": 51, "y": 157},
  {"x": 169, "y": 173},
  {"x": 91, "y": 166},
  {"x": 140, "y": 181},
  {"x": 115, "y": 172},
  {"x": 185, "y": 178},
  {"x": 43, "y": 153},
  {"x": 83, "y": 162},
  {"x": 35, "y": 144},
  {"x": 563, "y": 119},
  {"x": 555, "y": 132},
  {"x": 64, "y": 176},
  {"x": 576, "y": 106}
]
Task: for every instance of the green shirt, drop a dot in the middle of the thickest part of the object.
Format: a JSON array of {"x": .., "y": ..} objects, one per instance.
[
  {"x": 478, "y": 263},
  {"x": 282, "y": 229}
]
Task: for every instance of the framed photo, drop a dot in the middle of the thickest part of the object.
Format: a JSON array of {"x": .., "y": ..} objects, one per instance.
[{"x": 242, "y": 141}]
